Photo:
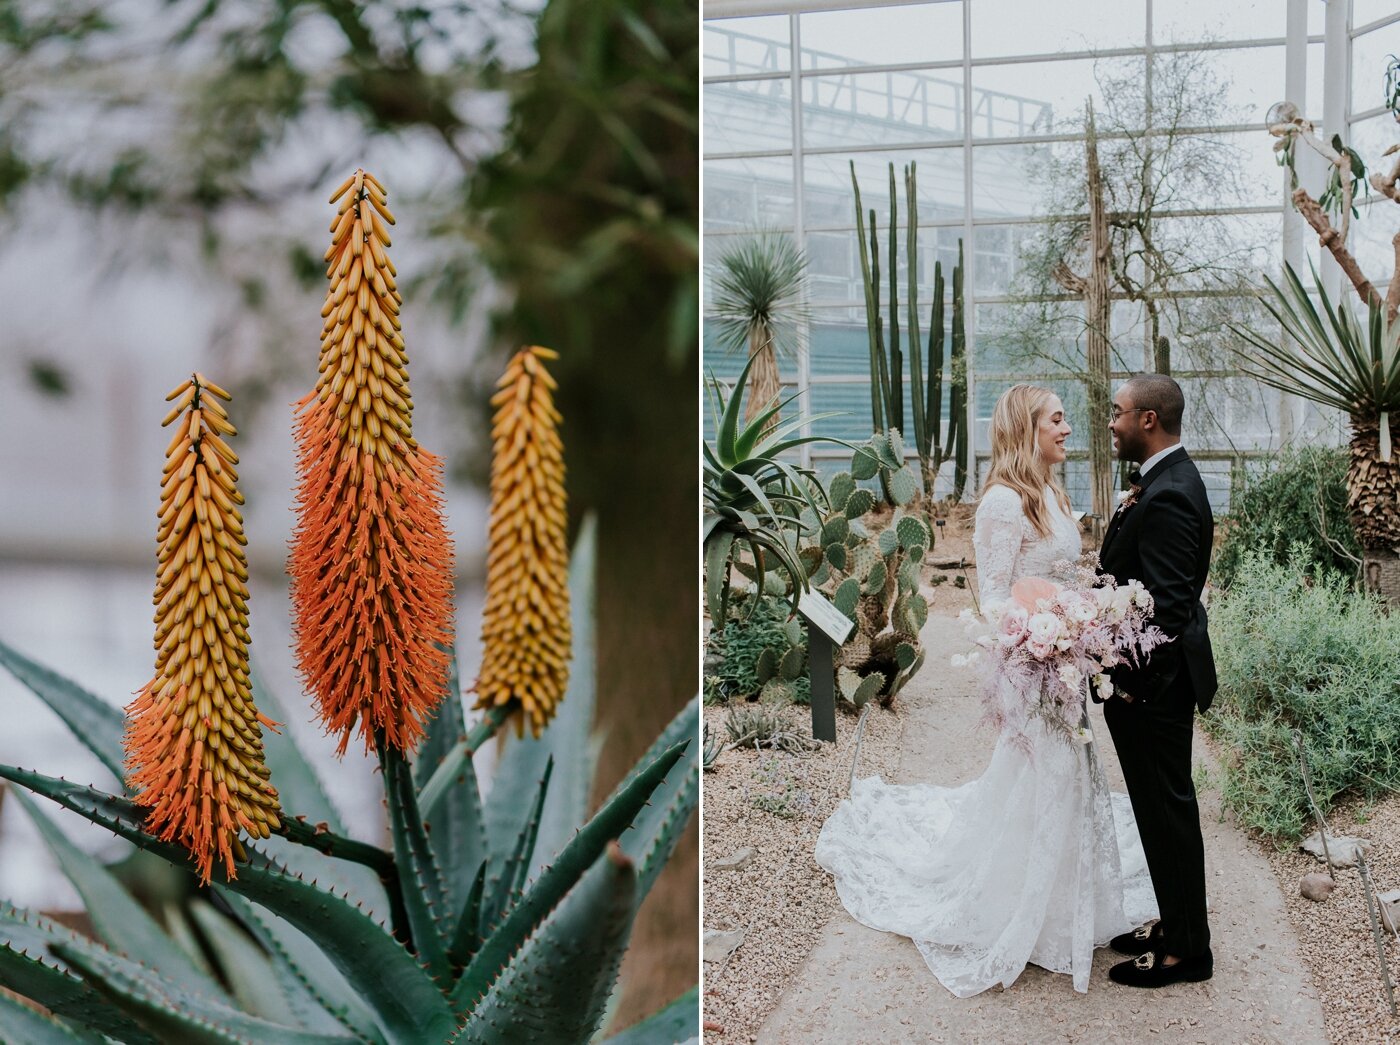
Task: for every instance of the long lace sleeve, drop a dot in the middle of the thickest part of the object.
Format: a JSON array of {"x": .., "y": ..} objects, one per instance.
[{"x": 996, "y": 540}]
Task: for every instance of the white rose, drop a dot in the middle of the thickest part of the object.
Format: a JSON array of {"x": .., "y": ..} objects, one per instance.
[
  {"x": 1044, "y": 629},
  {"x": 1071, "y": 677}
]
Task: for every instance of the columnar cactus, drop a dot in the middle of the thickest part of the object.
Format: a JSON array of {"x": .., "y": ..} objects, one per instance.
[
  {"x": 194, "y": 748},
  {"x": 371, "y": 550}
]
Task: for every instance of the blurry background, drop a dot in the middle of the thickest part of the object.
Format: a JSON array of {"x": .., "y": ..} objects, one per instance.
[{"x": 164, "y": 171}]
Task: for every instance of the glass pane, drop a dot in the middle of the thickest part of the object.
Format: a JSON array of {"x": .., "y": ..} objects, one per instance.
[
  {"x": 903, "y": 35},
  {"x": 1012, "y": 27},
  {"x": 1217, "y": 169},
  {"x": 829, "y": 202},
  {"x": 748, "y": 116},
  {"x": 1370, "y": 54},
  {"x": 1245, "y": 82},
  {"x": 1001, "y": 255},
  {"x": 1314, "y": 77},
  {"x": 1002, "y": 185},
  {"x": 743, "y": 46},
  {"x": 1043, "y": 97},
  {"x": 851, "y": 400},
  {"x": 1364, "y": 12},
  {"x": 873, "y": 109},
  {"x": 1216, "y": 252},
  {"x": 743, "y": 195},
  {"x": 839, "y": 345},
  {"x": 1197, "y": 21}
]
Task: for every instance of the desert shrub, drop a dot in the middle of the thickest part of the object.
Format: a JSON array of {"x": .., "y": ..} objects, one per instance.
[
  {"x": 1301, "y": 498},
  {"x": 1303, "y": 651}
]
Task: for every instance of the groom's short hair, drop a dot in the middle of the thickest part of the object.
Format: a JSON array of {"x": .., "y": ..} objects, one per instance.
[{"x": 1162, "y": 395}]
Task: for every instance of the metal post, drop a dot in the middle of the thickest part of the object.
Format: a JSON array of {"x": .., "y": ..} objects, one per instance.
[{"x": 821, "y": 665}]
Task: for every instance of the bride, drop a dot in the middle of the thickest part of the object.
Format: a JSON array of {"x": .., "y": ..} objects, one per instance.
[{"x": 1034, "y": 861}]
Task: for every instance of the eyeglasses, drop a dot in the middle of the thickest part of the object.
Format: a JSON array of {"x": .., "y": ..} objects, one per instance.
[{"x": 1132, "y": 410}]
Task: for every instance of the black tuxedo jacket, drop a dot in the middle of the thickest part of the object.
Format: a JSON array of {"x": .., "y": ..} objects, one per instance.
[{"x": 1164, "y": 542}]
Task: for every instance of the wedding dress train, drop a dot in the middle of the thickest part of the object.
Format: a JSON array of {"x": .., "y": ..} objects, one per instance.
[{"x": 1034, "y": 861}]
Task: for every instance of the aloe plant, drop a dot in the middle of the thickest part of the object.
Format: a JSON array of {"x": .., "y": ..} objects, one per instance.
[{"x": 324, "y": 938}]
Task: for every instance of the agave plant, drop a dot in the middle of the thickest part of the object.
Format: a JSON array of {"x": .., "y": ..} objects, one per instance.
[
  {"x": 758, "y": 306},
  {"x": 483, "y": 922},
  {"x": 1334, "y": 358},
  {"x": 752, "y": 497}
]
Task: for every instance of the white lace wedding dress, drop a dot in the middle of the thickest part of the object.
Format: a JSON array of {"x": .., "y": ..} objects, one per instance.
[{"x": 1034, "y": 861}]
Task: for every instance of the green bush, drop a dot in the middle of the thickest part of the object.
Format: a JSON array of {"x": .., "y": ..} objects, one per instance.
[
  {"x": 1308, "y": 653},
  {"x": 1301, "y": 498},
  {"x": 732, "y": 656}
]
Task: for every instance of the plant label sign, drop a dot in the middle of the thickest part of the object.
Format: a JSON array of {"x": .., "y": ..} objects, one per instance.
[{"x": 827, "y": 628}]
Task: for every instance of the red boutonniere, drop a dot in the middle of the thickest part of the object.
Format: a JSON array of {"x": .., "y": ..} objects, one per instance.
[{"x": 1131, "y": 499}]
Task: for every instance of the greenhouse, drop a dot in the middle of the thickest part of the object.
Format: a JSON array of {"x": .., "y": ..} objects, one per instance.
[{"x": 988, "y": 100}]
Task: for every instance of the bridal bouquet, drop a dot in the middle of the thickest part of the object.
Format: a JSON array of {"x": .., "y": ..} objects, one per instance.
[{"x": 1049, "y": 641}]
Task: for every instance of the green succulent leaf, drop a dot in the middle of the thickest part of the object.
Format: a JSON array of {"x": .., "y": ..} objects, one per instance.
[
  {"x": 904, "y": 486},
  {"x": 717, "y": 552},
  {"x": 303, "y": 970},
  {"x": 679, "y": 1021},
  {"x": 905, "y": 655},
  {"x": 405, "y": 1001},
  {"x": 506, "y": 872},
  {"x": 875, "y": 579},
  {"x": 555, "y": 987},
  {"x": 836, "y": 530},
  {"x": 658, "y": 827},
  {"x": 790, "y": 667},
  {"x": 118, "y": 919},
  {"x": 840, "y": 488},
  {"x": 446, "y": 730},
  {"x": 60, "y": 991},
  {"x": 420, "y": 881},
  {"x": 911, "y": 531},
  {"x": 467, "y": 939},
  {"x": 847, "y": 596},
  {"x": 24, "y": 1026},
  {"x": 835, "y": 554},
  {"x": 888, "y": 541},
  {"x": 556, "y": 880},
  {"x": 91, "y": 719},
  {"x": 766, "y": 666},
  {"x": 178, "y": 1014},
  {"x": 864, "y": 465},
  {"x": 250, "y": 973}
]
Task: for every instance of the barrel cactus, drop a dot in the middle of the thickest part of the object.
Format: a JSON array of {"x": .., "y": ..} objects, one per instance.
[{"x": 489, "y": 921}]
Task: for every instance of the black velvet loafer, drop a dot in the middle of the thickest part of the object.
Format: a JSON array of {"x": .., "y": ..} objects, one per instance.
[
  {"x": 1139, "y": 941},
  {"x": 1147, "y": 970}
]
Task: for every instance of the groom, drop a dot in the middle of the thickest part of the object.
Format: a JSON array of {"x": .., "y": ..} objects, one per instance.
[{"x": 1161, "y": 536}]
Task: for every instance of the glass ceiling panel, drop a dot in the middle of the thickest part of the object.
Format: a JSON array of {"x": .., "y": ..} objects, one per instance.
[
  {"x": 1003, "y": 28},
  {"x": 745, "y": 46},
  {"x": 908, "y": 34}
]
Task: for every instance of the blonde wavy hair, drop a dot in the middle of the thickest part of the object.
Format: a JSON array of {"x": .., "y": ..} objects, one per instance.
[{"x": 1016, "y": 460}]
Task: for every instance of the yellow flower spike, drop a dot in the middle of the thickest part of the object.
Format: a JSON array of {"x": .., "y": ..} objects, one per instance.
[
  {"x": 525, "y": 624},
  {"x": 371, "y": 561},
  {"x": 194, "y": 738}
]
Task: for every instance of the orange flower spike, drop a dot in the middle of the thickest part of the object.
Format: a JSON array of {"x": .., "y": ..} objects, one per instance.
[
  {"x": 525, "y": 624},
  {"x": 193, "y": 738},
  {"x": 371, "y": 561}
]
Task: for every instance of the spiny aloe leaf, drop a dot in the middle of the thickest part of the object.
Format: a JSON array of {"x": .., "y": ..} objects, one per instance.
[
  {"x": 555, "y": 987},
  {"x": 657, "y": 828},
  {"x": 556, "y": 881},
  {"x": 96, "y": 723},
  {"x": 176, "y": 1014},
  {"x": 65, "y": 994},
  {"x": 303, "y": 795},
  {"x": 24, "y": 1026},
  {"x": 119, "y": 920},
  {"x": 177, "y": 924},
  {"x": 467, "y": 938},
  {"x": 679, "y": 1021},
  {"x": 407, "y": 1005},
  {"x": 507, "y": 878},
  {"x": 567, "y": 740},
  {"x": 420, "y": 882},
  {"x": 249, "y": 971},
  {"x": 447, "y": 728},
  {"x": 304, "y": 971}
]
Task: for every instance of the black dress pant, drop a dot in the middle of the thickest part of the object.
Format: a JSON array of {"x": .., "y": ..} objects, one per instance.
[{"x": 1153, "y": 740}]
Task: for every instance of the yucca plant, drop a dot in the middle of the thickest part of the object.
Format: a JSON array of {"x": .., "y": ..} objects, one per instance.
[
  {"x": 1333, "y": 357},
  {"x": 753, "y": 498},
  {"x": 758, "y": 306},
  {"x": 494, "y": 922}
]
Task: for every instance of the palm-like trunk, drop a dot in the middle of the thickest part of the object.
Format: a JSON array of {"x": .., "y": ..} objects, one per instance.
[
  {"x": 1373, "y": 496},
  {"x": 764, "y": 383}
]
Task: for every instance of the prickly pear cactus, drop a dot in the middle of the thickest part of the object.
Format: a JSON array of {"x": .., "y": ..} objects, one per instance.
[{"x": 873, "y": 578}]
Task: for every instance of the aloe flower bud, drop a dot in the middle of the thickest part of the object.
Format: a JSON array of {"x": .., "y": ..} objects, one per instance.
[
  {"x": 193, "y": 739},
  {"x": 525, "y": 624},
  {"x": 371, "y": 561}
]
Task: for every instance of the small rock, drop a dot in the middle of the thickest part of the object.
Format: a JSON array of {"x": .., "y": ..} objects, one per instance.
[
  {"x": 1342, "y": 847},
  {"x": 737, "y": 862},
  {"x": 1316, "y": 887},
  {"x": 719, "y": 945}
]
